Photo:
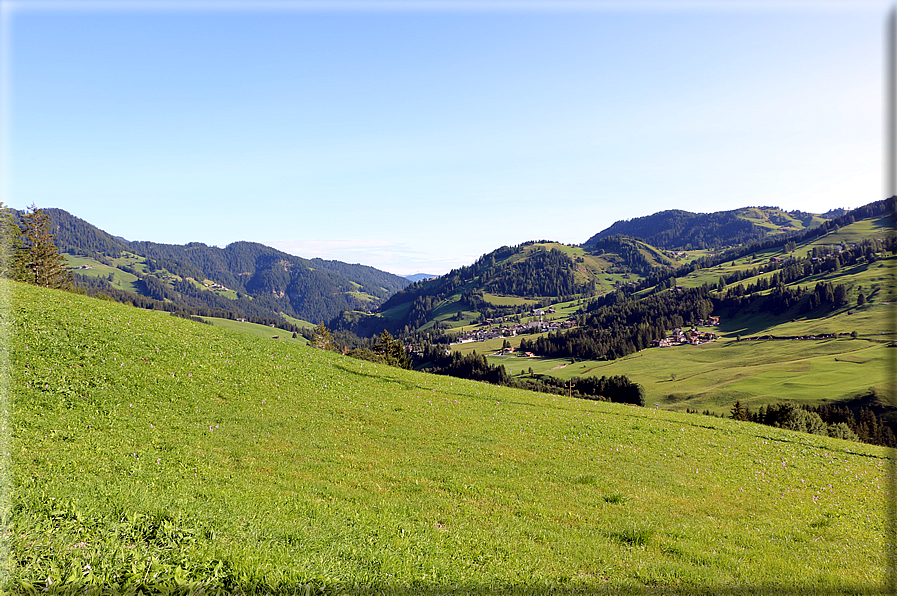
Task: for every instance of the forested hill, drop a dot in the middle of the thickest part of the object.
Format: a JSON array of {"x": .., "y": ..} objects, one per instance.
[
  {"x": 683, "y": 230},
  {"x": 511, "y": 280},
  {"x": 314, "y": 290}
]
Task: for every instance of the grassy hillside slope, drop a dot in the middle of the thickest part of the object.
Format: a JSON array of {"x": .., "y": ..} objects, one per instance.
[{"x": 147, "y": 449}]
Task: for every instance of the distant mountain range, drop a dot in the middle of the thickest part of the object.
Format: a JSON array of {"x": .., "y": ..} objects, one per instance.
[
  {"x": 244, "y": 277},
  {"x": 420, "y": 277},
  {"x": 254, "y": 280},
  {"x": 513, "y": 281}
]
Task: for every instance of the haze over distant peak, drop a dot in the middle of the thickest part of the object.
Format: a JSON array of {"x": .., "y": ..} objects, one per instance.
[{"x": 419, "y": 276}]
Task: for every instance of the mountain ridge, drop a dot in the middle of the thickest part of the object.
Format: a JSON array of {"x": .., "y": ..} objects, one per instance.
[
  {"x": 310, "y": 289},
  {"x": 677, "y": 229}
]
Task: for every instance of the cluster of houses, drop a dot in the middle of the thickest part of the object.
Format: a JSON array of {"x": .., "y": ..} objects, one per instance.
[
  {"x": 679, "y": 337},
  {"x": 498, "y": 328},
  {"x": 708, "y": 322},
  {"x": 215, "y": 286},
  {"x": 693, "y": 337},
  {"x": 515, "y": 352}
]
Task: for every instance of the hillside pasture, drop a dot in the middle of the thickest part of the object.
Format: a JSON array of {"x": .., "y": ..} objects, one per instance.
[
  {"x": 129, "y": 259},
  {"x": 713, "y": 376},
  {"x": 149, "y": 450},
  {"x": 209, "y": 286},
  {"x": 257, "y": 330},
  {"x": 298, "y": 322},
  {"x": 121, "y": 280},
  {"x": 853, "y": 233},
  {"x": 498, "y": 300}
]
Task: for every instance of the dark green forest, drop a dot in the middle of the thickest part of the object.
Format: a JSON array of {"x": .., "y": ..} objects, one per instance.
[
  {"x": 676, "y": 229},
  {"x": 268, "y": 282}
]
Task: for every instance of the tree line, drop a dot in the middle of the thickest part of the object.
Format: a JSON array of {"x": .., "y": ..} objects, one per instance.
[
  {"x": 618, "y": 389},
  {"x": 833, "y": 420}
]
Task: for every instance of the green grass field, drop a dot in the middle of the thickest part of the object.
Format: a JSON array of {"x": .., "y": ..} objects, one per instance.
[
  {"x": 257, "y": 330},
  {"x": 120, "y": 279},
  {"x": 148, "y": 450}
]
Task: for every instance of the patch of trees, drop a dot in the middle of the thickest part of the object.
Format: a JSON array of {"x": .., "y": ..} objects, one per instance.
[
  {"x": 362, "y": 324},
  {"x": 618, "y": 389},
  {"x": 29, "y": 251},
  {"x": 542, "y": 273},
  {"x": 619, "y": 326},
  {"x": 472, "y": 366},
  {"x": 833, "y": 420},
  {"x": 76, "y": 236},
  {"x": 386, "y": 350}
]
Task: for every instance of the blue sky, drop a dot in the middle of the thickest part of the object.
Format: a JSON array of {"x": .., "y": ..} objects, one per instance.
[{"x": 416, "y": 136}]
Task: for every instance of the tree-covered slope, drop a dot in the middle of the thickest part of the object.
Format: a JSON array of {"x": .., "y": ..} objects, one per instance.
[
  {"x": 676, "y": 229},
  {"x": 314, "y": 290},
  {"x": 511, "y": 280}
]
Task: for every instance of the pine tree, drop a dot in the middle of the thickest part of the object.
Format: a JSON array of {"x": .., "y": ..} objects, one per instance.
[
  {"x": 322, "y": 338},
  {"x": 10, "y": 241},
  {"x": 391, "y": 351},
  {"x": 36, "y": 259},
  {"x": 739, "y": 413}
]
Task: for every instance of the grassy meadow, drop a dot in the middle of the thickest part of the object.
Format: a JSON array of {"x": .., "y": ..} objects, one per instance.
[
  {"x": 257, "y": 330},
  {"x": 121, "y": 280},
  {"x": 148, "y": 451}
]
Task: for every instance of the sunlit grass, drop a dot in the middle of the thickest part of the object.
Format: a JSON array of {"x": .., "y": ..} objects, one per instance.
[{"x": 148, "y": 448}]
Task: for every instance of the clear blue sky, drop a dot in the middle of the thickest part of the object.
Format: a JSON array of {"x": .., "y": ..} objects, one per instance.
[{"x": 414, "y": 137}]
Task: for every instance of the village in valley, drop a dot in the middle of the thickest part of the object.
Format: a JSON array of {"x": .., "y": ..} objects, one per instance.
[{"x": 511, "y": 327}]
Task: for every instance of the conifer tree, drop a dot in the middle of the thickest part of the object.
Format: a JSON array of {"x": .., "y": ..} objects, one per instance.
[
  {"x": 10, "y": 240},
  {"x": 322, "y": 338},
  {"x": 391, "y": 351},
  {"x": 36, "y": 259}
]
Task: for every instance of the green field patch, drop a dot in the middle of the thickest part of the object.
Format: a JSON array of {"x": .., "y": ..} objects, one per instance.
[
  {"x": 364, "y": 297},
  {"x": 853, "y": 233},
  {"x": 507, "y": 300},
  {"x": 398, "y": 312},
  {"x": 297, "y": 322},
  {"x": 257, "y": 330},
  {"x": 121, "y": 280}
]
